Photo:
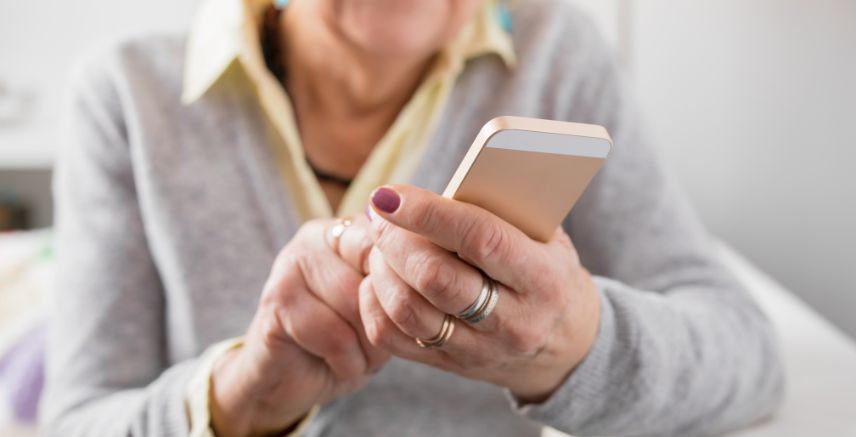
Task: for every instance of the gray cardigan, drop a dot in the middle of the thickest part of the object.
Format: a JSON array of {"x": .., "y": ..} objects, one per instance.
[{"x": 169, "y": 217}]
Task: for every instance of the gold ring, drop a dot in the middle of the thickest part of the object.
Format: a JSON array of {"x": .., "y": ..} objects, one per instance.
[
  {"x": 442, "y": 337},
  {"x": 337, "y": 231}
]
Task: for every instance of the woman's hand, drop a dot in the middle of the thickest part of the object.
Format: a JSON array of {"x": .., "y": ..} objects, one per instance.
[
  {"x": 424, "y": 265},
  {"x": 306, "y": 344}
]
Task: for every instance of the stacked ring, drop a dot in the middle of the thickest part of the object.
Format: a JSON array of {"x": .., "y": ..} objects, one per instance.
[
  {"x": 478, "y": 303},
  {"x": 484, "y": 304},
  {"x": 440, "y": 339}
]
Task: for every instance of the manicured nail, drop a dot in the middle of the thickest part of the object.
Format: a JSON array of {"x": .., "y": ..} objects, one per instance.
[{"x": 386, "y": 200}]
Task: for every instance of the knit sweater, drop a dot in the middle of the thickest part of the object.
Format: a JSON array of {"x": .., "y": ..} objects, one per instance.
[{"x": 170, "y": 216}]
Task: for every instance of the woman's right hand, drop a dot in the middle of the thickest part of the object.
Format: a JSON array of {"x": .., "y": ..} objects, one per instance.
[{"x": 306, "y": 344}]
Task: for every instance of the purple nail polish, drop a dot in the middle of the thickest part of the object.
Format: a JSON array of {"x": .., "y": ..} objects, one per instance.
[{"x": 386, "y": 200}]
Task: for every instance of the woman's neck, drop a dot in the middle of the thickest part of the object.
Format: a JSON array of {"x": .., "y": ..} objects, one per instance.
[{"x": 327, "y": 73}]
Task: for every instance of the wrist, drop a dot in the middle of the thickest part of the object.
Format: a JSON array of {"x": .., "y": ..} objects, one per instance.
[
  {"x": 230, "y": 403},
  {"x": 240, "y": 398},
  {"x": 543, "y": 377},
  {"x": 569, "y": 344}
]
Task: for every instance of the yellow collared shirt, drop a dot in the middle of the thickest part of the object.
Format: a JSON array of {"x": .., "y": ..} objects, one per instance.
[{"x": 225, "y": 33}]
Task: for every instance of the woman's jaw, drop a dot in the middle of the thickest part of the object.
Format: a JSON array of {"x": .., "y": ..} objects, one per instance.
[{"x": 367, "y": 53}]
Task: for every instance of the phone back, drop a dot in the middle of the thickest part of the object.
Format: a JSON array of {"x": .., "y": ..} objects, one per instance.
[{"x": 530, "y": 172}]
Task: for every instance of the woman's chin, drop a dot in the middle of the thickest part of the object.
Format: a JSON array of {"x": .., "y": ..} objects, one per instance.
[
  {"x": 410, "y": 29},
  {"x": 394, "y": 42}
]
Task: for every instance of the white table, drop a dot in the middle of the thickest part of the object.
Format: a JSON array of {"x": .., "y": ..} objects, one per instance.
[{"x": 820, "y": 363}]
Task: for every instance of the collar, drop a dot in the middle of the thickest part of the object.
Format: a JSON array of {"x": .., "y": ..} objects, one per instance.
[{"x": 225, "y": 31}]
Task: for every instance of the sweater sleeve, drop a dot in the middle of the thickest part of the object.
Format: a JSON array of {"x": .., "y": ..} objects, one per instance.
[
  {"x": 682, "y": 347},
  {"x": 107, "y": 368}
]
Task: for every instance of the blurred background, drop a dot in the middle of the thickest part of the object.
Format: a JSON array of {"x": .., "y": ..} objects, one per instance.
[{"x": 752, "y": 104}]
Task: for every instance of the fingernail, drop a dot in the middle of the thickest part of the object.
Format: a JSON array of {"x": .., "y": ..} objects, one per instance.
[{"x": 386, "y": 200}]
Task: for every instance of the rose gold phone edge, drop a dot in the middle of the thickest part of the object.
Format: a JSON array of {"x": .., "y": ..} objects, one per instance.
[{"x": 541, "y": 223}]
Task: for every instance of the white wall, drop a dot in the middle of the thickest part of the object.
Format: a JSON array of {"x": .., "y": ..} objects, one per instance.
[
  {"x": 754, "y": 104},
  {"x": 40, "y": 39}
]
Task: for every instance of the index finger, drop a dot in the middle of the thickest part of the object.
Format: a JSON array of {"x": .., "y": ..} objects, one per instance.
[
  {"x": 481, "y": 238},
  {"x": 353, "y": 243}
]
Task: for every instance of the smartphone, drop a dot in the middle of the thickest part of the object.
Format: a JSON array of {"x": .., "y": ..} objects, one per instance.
[{"x": 530, "y": 171}]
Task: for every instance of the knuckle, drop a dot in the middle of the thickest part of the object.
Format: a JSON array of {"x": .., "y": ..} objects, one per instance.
[
  {"x": 272, "y": 331},
  {"x": 484, "y": 242},
  {"x": 527, "y": 340},
  {"x": 350, "y": 367},
  {"x": 378, "y": 332},
  {"x": 340, "y": 350},
  {"x": 564, "y": 239},
  {"x": 277, "y": 294},
  {"x": 303, "y": 263},
  {"x": 434, "y": 277},
  {"x": 402, "y": 311},
  {"x": 425, "y": 215},
  {"x": 339, "y": 342},
  {"x": 376, "y": 359},
  {"x": 373, "y": 333},
  {"x": 554, "y": 294},
  {"x": 284, "y": 260},
  {"x": 270, "y": 295}
]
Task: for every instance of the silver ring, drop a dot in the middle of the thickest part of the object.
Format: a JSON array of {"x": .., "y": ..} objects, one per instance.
[
  {"x": 478, "y": 303},
  {"x": 484, "y": 306},
  {"x": 488, "y": 307}
]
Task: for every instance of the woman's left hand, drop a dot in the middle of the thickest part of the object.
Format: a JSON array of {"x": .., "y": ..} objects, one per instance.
[{"x": 425, "y": 263}]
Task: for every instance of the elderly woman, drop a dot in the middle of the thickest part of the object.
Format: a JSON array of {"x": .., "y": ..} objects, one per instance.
[{"x": 204, "y": 286}]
